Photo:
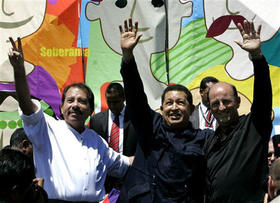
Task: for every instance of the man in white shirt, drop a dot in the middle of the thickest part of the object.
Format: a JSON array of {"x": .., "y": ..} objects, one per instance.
[
  {"x": 202, "y": 117},
  {"x": 72, "y": 159}
]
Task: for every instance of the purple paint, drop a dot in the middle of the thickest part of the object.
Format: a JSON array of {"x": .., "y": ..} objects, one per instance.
[
  {"x": 42, "y": 86},
  {"x": 52, "y": 1}
]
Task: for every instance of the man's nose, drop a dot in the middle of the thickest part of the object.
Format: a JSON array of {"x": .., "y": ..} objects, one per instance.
[
  {"x": 221, "y": 106},
  {"x": 272, "y": 157},
  {"x": 75, "y": 104},
  {"x": 174, "y": 106}
]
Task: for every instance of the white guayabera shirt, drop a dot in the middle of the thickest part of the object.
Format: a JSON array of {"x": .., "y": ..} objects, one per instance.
[{"x": 73, "y": 165}]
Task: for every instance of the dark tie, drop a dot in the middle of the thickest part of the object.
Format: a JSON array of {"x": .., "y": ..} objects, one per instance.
[{"x": 114, "y": 135}]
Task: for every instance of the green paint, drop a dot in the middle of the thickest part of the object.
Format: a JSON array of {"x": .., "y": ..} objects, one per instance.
[
  {"x": 12, "y": 124},
  {"x": 3, "y": 124},
  {"x": 44, "y": 105},
  {"x": 9, "y": 25},
  {"x": 19, "y": 123},
  {"x": 103, "y": 64},
  {"x": 192, "y": 55},
  {"x": 10, "y": 115},
  {"x": 49, "y": 112}
]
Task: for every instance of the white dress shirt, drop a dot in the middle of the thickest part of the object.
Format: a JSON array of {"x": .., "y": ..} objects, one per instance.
[
  {"x": 73, "y": 165},
  {"x": 203, "y": 110},
  {"x": 110, "y": 122}
]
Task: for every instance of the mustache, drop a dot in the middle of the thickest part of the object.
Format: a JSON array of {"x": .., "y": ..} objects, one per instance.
[
  {"x": 77, "y": 111},
  {"x": 221, "y": 24}
]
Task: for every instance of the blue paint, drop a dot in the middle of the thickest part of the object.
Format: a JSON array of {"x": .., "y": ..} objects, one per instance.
[
  {"x": 271, "y": 50},
  {"x": 196, "y": 14},
  {"x": 84, "y": 26}
]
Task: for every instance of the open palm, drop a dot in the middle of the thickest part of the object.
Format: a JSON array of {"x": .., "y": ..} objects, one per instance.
[{"x": 251, "y": 38}]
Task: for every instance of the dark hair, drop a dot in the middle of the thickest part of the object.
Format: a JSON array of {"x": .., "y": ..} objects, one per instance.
[
  {"x": 17, "y": 137},
  {"x": 15, "y": 169},
  {"x": 81, "y": 86},
  {"x": 204, "y": 81},
  {"x": 115, "y": 88},
  {"x": 179, "y": 88}
]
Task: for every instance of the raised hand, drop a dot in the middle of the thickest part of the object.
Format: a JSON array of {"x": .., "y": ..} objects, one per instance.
[
  {"x": 22, "y": 89},
  {"x": 251, "y": 38},
  {"x": 129, "y": 38},
  {"x": 16, "y": 55}
]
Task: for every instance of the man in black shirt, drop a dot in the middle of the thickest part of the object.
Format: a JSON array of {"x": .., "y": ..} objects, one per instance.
[
  {"x": 237, "y": 154},
  {"x": 168, "y": 165}
]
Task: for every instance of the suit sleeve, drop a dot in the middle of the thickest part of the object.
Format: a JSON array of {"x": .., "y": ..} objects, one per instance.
[
  {"x": 139, "y": 110},
  {"x": 262, "y": 99},
  {"x": 98, "y": 123}
]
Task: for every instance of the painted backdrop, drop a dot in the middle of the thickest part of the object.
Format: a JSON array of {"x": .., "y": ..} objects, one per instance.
[{"x": 67, "y": 41}]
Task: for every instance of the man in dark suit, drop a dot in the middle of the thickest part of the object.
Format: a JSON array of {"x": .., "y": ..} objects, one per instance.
[
  {"x": 202, "y": 117},
  {"x": 103, "y": 122}
]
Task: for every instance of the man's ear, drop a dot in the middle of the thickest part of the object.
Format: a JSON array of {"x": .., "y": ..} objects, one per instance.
[
  {"x": 25, "y": 143},
  {"x": 238, "y": 100}
]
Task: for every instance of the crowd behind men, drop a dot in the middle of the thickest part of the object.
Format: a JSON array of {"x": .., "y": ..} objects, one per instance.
[{"x": 173, "y": 161}]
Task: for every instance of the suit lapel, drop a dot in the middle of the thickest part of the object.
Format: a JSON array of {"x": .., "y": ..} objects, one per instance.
[{"x": 105, "y": 124}]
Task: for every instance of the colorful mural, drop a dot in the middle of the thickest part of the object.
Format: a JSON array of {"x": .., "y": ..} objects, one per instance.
[{"x": 67, "y": 41}]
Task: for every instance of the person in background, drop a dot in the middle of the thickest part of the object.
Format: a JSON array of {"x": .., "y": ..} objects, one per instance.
[
  {"x": 20, "y": 142},
  {"x": 17, "y": 175},
  {"x": 115, "y": 127},
  {"x": 274, "y": 182},
  {"x": 276, "y": 145},
  {"x": 271, "y": 153},
  {"x": 202, "y": 117}
]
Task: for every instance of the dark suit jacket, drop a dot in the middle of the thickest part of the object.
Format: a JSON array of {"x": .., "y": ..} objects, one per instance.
[
  {"x": 194, "y": 118},
  {"x": 99, "y": 123}
]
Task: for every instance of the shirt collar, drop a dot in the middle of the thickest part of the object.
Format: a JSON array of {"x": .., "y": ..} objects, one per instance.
[
  {"x": 121, "y": 114},
  {"x": 204, "y": 108}
]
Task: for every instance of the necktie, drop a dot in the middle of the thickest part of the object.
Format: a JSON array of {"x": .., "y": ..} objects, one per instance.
[
  {"x": 114, "y": 135},
  {"x": 208, "y": 119}
]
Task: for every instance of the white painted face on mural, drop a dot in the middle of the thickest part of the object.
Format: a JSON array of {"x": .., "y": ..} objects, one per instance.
[
  {"x": 18, "y": 18},
  {"x": 151, "y": 20},
  {"x": 222, "y": 16}
]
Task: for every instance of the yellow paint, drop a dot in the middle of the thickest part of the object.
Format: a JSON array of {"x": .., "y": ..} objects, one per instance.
[
  {"x": 49, "y": 36},
  {"x": 244, "y": 87}
]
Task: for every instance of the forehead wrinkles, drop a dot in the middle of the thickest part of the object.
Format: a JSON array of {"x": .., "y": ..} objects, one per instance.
[
  {"x": 75, "y": 91},
  {"x": 221, "y": 89}
]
